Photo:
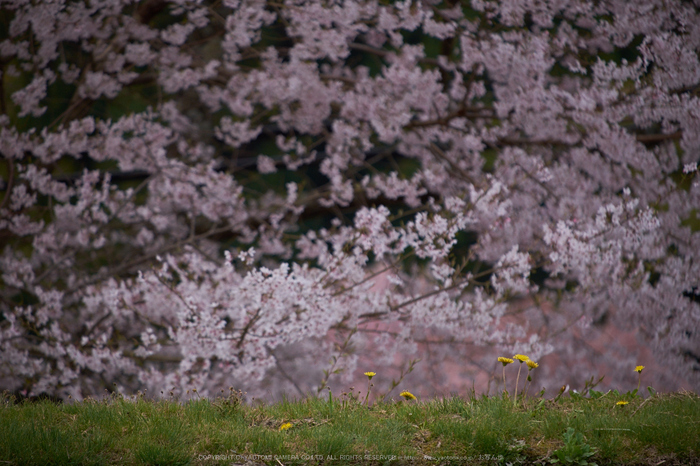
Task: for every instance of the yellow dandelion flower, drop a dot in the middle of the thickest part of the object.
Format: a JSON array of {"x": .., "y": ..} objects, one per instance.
[
  {"x": 369, "y": 385},
  {"x": 522, "y": 358},
  {"x": 408, "y": 395},
  {"x": 532, "y": 364},
  {"x": 285, "y": 426},
  {"x": 639, "y": 370},
  {"x": 622, "y": 403},
  {"x": 505, "y": 361}
]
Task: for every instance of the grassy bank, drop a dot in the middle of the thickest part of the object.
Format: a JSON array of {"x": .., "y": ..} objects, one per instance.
[{"x": 661, "y": 429}]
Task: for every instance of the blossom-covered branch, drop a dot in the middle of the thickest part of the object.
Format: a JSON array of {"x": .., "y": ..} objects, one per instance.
[{"x": 211, "y": 194}]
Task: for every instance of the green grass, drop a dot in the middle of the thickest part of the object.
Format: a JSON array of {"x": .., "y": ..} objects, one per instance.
[{"x": 475, "y": 430}]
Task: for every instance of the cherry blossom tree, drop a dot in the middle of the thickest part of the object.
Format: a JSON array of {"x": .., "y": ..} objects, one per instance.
[{"x": 251, "y": 193}]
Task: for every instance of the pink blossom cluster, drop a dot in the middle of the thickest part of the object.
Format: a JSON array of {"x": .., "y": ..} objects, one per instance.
[{"x": 259, "y": 193}]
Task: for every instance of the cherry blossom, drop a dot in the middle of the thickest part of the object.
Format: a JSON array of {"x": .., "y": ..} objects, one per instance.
[{"x": 216, "y": 194}]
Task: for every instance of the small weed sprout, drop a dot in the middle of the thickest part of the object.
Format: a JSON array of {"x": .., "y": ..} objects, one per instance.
[
  {"x": 517, "y": 449},
  {"x": 352, "y": 396},
  {"x": 575, "y": 451},
  {"x": 330, "y": 399},
  {"x": 7, "y": 399},
  {"x": 562, "y": 390},
  {"x": 232, "y": 402}
]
